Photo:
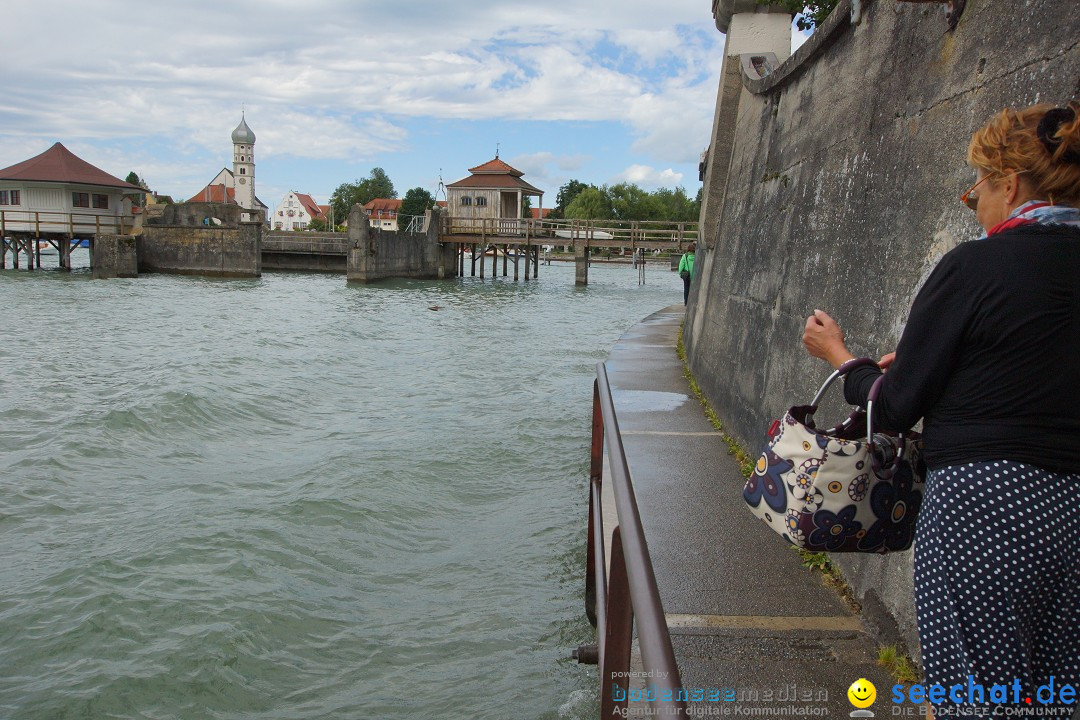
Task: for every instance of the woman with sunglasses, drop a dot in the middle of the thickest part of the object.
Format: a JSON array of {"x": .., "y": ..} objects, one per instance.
[{"x": 988, "y": 361}]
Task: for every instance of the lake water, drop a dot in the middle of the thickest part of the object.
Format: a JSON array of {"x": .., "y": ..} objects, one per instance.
[{"x": 292, "y": 498}]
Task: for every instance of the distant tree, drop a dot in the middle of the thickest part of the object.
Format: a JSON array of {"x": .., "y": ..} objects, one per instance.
[
  {"x": 376, "y": 185},
  {"x": 566, "y": 195},
  {"x": 591, "y": 203},
  {"x": 134, "y": 179},
  {"x": 526, "y": 206},
  {"x": 317, "y": 224},
  {"x": 630, "y": 202},
  {"x": 675, "y": 205},
  {"x": 417, "y": 201}
]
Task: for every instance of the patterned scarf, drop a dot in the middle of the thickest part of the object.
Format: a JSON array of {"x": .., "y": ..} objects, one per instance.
[{"x": 1038, "y": 212}]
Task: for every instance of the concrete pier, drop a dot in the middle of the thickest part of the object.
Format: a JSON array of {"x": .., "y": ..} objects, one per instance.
[
  {"x": 581, "y": 264},
  {"x": 376, "y": 254},
  {"x": 115, "y": 256}
]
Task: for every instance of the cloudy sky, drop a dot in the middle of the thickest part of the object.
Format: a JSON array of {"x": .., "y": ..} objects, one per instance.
[{"x": 594, "y": 90}]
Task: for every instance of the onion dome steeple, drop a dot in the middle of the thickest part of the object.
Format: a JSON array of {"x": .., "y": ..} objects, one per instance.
[{"x": 243, "y": 134}]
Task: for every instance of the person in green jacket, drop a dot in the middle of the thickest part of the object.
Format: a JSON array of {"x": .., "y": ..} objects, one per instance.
[{"x": 686, "y": 271}]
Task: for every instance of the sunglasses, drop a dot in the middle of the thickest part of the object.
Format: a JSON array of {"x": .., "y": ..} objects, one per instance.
[{"x": 970, "y": 198}]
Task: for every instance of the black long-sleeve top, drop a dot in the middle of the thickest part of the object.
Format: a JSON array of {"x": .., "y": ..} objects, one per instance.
[{"x": 989, "y": 356}]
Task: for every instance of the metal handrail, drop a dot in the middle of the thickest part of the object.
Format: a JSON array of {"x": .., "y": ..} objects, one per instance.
[{"x": 612, "y": 603}]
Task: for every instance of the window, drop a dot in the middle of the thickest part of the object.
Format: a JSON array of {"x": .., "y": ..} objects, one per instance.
[
  {"x": 101, "y": 202},
  {"x": 481, "y": 201},
  {"x": 466, "y": 201},
  {"x": 281, "y": 213},
  {"x": 9, "y": 197},
  {"x": 80, "y": 199},
  {"x": 242, "y": 171},
  {"x": 277, "y": 225},
  {"x": 296, "y": 226}
]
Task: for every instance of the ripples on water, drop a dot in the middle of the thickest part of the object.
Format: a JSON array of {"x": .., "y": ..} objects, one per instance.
[{"x": 293, "y": 498}]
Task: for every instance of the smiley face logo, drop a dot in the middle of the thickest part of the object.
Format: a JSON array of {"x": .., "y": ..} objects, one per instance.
[{"x": 862, "y": 693}]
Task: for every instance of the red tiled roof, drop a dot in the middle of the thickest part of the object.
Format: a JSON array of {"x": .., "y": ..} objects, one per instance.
[
  {"x": 309, "y": 204},
  {"x": 382, "y": 204},
  {"x": 215, "y": 194},
  {"x": 324, "y": 210},
  {"x": 496, "y": 182},
  {"x": 535, "y": 212},
  {"x": 441, "y": 203},
  {"x": 496, "y": 166},
  {"x": 60, "y": 165}
]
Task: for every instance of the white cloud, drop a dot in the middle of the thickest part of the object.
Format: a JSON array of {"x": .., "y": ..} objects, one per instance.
[
  {"x": 335, "y": 79},
  {"x": 649, "y": 177}
]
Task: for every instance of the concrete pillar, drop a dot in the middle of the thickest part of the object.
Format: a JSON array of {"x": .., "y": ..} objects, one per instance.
[
  {"x": 581, "y": 263},
  {"x": 360, "y": 264},
  {"x": 115, "y": 256}
]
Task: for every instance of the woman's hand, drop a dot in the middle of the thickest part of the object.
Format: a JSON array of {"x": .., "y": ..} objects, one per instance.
[
  {"x": 824, "y": 339},
  {"x": 886, "y": 360}
]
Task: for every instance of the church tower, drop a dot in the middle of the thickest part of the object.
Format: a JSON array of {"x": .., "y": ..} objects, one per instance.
[{"x": 244, "y": 166}]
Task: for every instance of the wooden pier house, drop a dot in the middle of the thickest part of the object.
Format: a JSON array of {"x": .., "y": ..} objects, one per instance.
[
  {"x": 56, "y": 198},
  {"x": 488, "y": 205}
]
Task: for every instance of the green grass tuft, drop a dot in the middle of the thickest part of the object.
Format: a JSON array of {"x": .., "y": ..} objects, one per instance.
[{"x": 898, "y": 664}]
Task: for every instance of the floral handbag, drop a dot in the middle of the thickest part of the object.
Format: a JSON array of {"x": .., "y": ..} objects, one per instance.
[{"x": 846, "y": 489}]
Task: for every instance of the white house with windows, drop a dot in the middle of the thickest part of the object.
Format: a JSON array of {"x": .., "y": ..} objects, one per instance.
[
  {"x": 383, "y": 212},
  {"x": 296, "y": 211},
  {"x": 494, "y": 190},
  {"x": 57, "y": 192}
]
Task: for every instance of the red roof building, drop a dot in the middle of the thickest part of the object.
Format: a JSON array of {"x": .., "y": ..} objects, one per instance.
[
  {"x": 60, "y": 165},
  {"x": 296, "y": 211},
  {"x": 494, "y": 190},
  {"x": 59, "y": 192},
  {"x": 383, "y": 212},
  {"x": 222, "y": 189}
]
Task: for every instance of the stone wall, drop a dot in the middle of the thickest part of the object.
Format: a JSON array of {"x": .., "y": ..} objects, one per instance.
[
  {"x": 114, "y": 256},
  {"x": 202, "y": 250},
  {"x": 305, "y": 251},
  {"x": 377, "y": 254},
  {"x": 842, "y": 192}
]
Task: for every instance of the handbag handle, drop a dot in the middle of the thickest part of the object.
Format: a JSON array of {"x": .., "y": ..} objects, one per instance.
[
  {"x": 875, "y": 390},
  {"x": 839, "y": 372}
]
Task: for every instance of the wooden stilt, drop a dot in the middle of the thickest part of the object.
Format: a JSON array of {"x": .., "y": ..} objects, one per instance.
[
  {"x": 474, "y": 260},
  {"x": 16, "y": 245},
  {"x": 528, "y": 256},
  {"x": 505, "y": 248},
  {"x": 483, "y": 256},
  {"x": 517, "y": 261},
  {"x": 3, "y": 253},
  {"x": 536, "y": 261}
]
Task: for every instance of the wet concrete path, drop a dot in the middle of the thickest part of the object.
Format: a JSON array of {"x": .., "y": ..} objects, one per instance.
[{"x": 744, "y": 614}]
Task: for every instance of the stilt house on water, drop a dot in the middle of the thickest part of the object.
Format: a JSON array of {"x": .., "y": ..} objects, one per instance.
[
  {"x": 58, "y": 193},
  {"x": 490, "y": 199}
]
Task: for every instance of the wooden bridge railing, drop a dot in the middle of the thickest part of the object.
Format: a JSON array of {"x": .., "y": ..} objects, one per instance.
[
  {"x": 37, "y": 224},
  {"x": 597, "y": 233}
]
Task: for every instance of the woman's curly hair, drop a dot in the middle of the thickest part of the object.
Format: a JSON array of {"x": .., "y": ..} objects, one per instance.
[{"x": 1042, "y": 140}]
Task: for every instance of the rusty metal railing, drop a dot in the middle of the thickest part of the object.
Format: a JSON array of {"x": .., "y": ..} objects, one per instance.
[{"x": 613, "y": 601}]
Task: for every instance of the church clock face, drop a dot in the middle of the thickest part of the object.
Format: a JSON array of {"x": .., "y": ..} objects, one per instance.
[{"x": 242, "y": 181}]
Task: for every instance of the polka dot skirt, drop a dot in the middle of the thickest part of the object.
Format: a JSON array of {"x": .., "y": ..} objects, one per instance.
[{"x": 997, "y": 577}]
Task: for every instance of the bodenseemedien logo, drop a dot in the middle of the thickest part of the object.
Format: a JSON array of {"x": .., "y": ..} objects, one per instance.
[{"x": 862, "y": 694}]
